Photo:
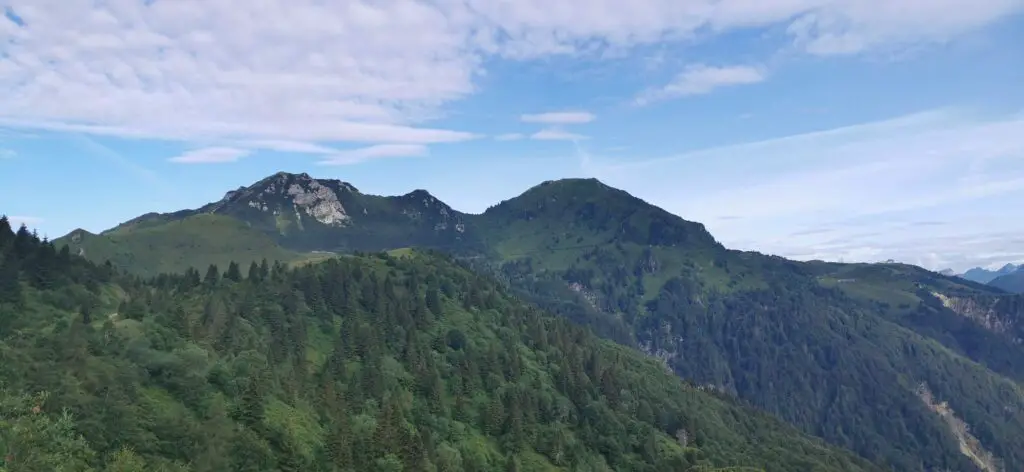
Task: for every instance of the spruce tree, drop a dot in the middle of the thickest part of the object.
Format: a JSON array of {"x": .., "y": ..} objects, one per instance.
[
  {"x": 233, "y": 273},
  {"x": 212, "y": 275}
]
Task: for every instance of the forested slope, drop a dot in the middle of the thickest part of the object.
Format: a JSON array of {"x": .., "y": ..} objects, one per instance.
[
  {"x": 844, "y": 351},
  {"x": 361, "y": 363}
]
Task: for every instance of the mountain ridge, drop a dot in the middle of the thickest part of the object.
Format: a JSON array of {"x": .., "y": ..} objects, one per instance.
[
  {"x": 768, "y": 330},
  {"x": 982, "y": 275},
  {"x": 1012, "y": 282}
]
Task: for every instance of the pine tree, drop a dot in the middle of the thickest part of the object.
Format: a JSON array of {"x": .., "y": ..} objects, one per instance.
[
  {"x": 264, "y": 269},
  {"x": 10, "y": 287},
  {"x": 212, "y": 276},
  {"x": 6, "y": 233},
  {"x": 434, "y": 300},
  {"x": 233, "y": 273},
  {"x": 24, "y": 242},
  {"x": 254, "y": 272}
]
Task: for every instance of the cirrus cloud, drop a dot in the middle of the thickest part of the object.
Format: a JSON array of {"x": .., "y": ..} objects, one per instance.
[
  {"x": 212, "y": 155},
  {"x": 559, "y": 118},
  {"x": 356, "y": 156},
  {"x": 320, "y": 73},
  {"x": 864, "y": 192},
  {"x": 699, "y": 79},
  {"x": 554, "y": 134}
]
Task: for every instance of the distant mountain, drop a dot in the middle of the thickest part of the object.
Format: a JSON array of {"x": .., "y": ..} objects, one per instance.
[
  {"x": 948, "y": 272},
  {"x": 1012, "y": 282},
  {"x": 985, "y": 276},
  {"x": 908, "y": 368},
  {"x": 282, "y": 217}
]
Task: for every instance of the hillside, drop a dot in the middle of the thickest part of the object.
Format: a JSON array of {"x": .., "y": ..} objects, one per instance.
[
  {"x": 368, "y": 363},
  {"x": 1012, "y": 282},
  {"x": 176, "y": 245},
  {"x": 831, "y": 348},
  {"x": 887, "y": 360}
]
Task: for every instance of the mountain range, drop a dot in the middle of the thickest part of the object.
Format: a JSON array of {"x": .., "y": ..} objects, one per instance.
[
  {"x": 909, "y": 369},
  {"x": 1012, "y": 282},
  {"x": 985, "y": 276},
  {"x": 1009, "y": 278}
]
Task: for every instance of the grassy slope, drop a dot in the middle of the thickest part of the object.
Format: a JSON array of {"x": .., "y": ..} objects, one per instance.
[{"x": 174, "y": 246}]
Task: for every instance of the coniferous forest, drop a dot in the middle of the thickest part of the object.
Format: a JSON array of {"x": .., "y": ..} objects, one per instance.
[{"x": 368, "y": 362}]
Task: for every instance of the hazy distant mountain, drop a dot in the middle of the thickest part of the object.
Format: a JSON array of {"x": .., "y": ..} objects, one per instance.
[
  {"x": 985, "y": 276},
  {"x": 1012, "y": 282}
]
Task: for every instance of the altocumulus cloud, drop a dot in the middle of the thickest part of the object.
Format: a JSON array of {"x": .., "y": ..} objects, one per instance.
[{"x": 302, "y": 75}]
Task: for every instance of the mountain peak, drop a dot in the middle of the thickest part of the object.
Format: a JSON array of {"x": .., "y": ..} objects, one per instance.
[
  {"x": 1008, "y": 268},
  {"x": 572, "y": 183},
  {"x": 588, "y": 202},
  {"x": 419, "y": 193},
  {"x": 317, "y": 198}
]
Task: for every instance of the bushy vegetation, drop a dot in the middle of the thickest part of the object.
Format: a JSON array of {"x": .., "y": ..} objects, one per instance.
[{"x": 360, "y": 363}]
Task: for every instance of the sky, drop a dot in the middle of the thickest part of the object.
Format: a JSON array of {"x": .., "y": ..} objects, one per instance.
[{"x": 852, "y": 130}]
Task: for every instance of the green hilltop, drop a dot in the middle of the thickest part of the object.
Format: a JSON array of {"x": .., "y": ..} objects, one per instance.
[
  {"x": 383, "y": 362},
  {"x": 910, "y": 369}
]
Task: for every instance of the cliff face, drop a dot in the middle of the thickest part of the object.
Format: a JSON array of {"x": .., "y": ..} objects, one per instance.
[
  {"x": 985, "y": 311},
  {"x": 970, "y": 446}
]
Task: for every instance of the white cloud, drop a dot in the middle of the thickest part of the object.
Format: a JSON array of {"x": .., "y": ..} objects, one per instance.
[
  {"x": 559, "y": 118},
  {"x": 854, "y": 182},
  {"x": 356, "y": 156},
  {"x": 509, "y": 137},
  {"x": 29, "y": 221},
  {"x": 554, "y": 134},
  {"x": 211, "y": 155},
  {"x": 309, "y": 71},
  {"x": 287, "y": 146},
  {"x": 7, "y": 153},
  {"x": 699, "y": 79},
  {"x": 853, "y": 26}
]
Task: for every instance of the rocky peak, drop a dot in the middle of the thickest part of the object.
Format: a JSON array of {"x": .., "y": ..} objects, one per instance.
[
  {"x": 420, "y": 205},
  {"x": 300, "y": 194}
]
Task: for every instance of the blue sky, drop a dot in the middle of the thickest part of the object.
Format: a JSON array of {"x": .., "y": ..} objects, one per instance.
[{"x": 835, "y": 129}]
